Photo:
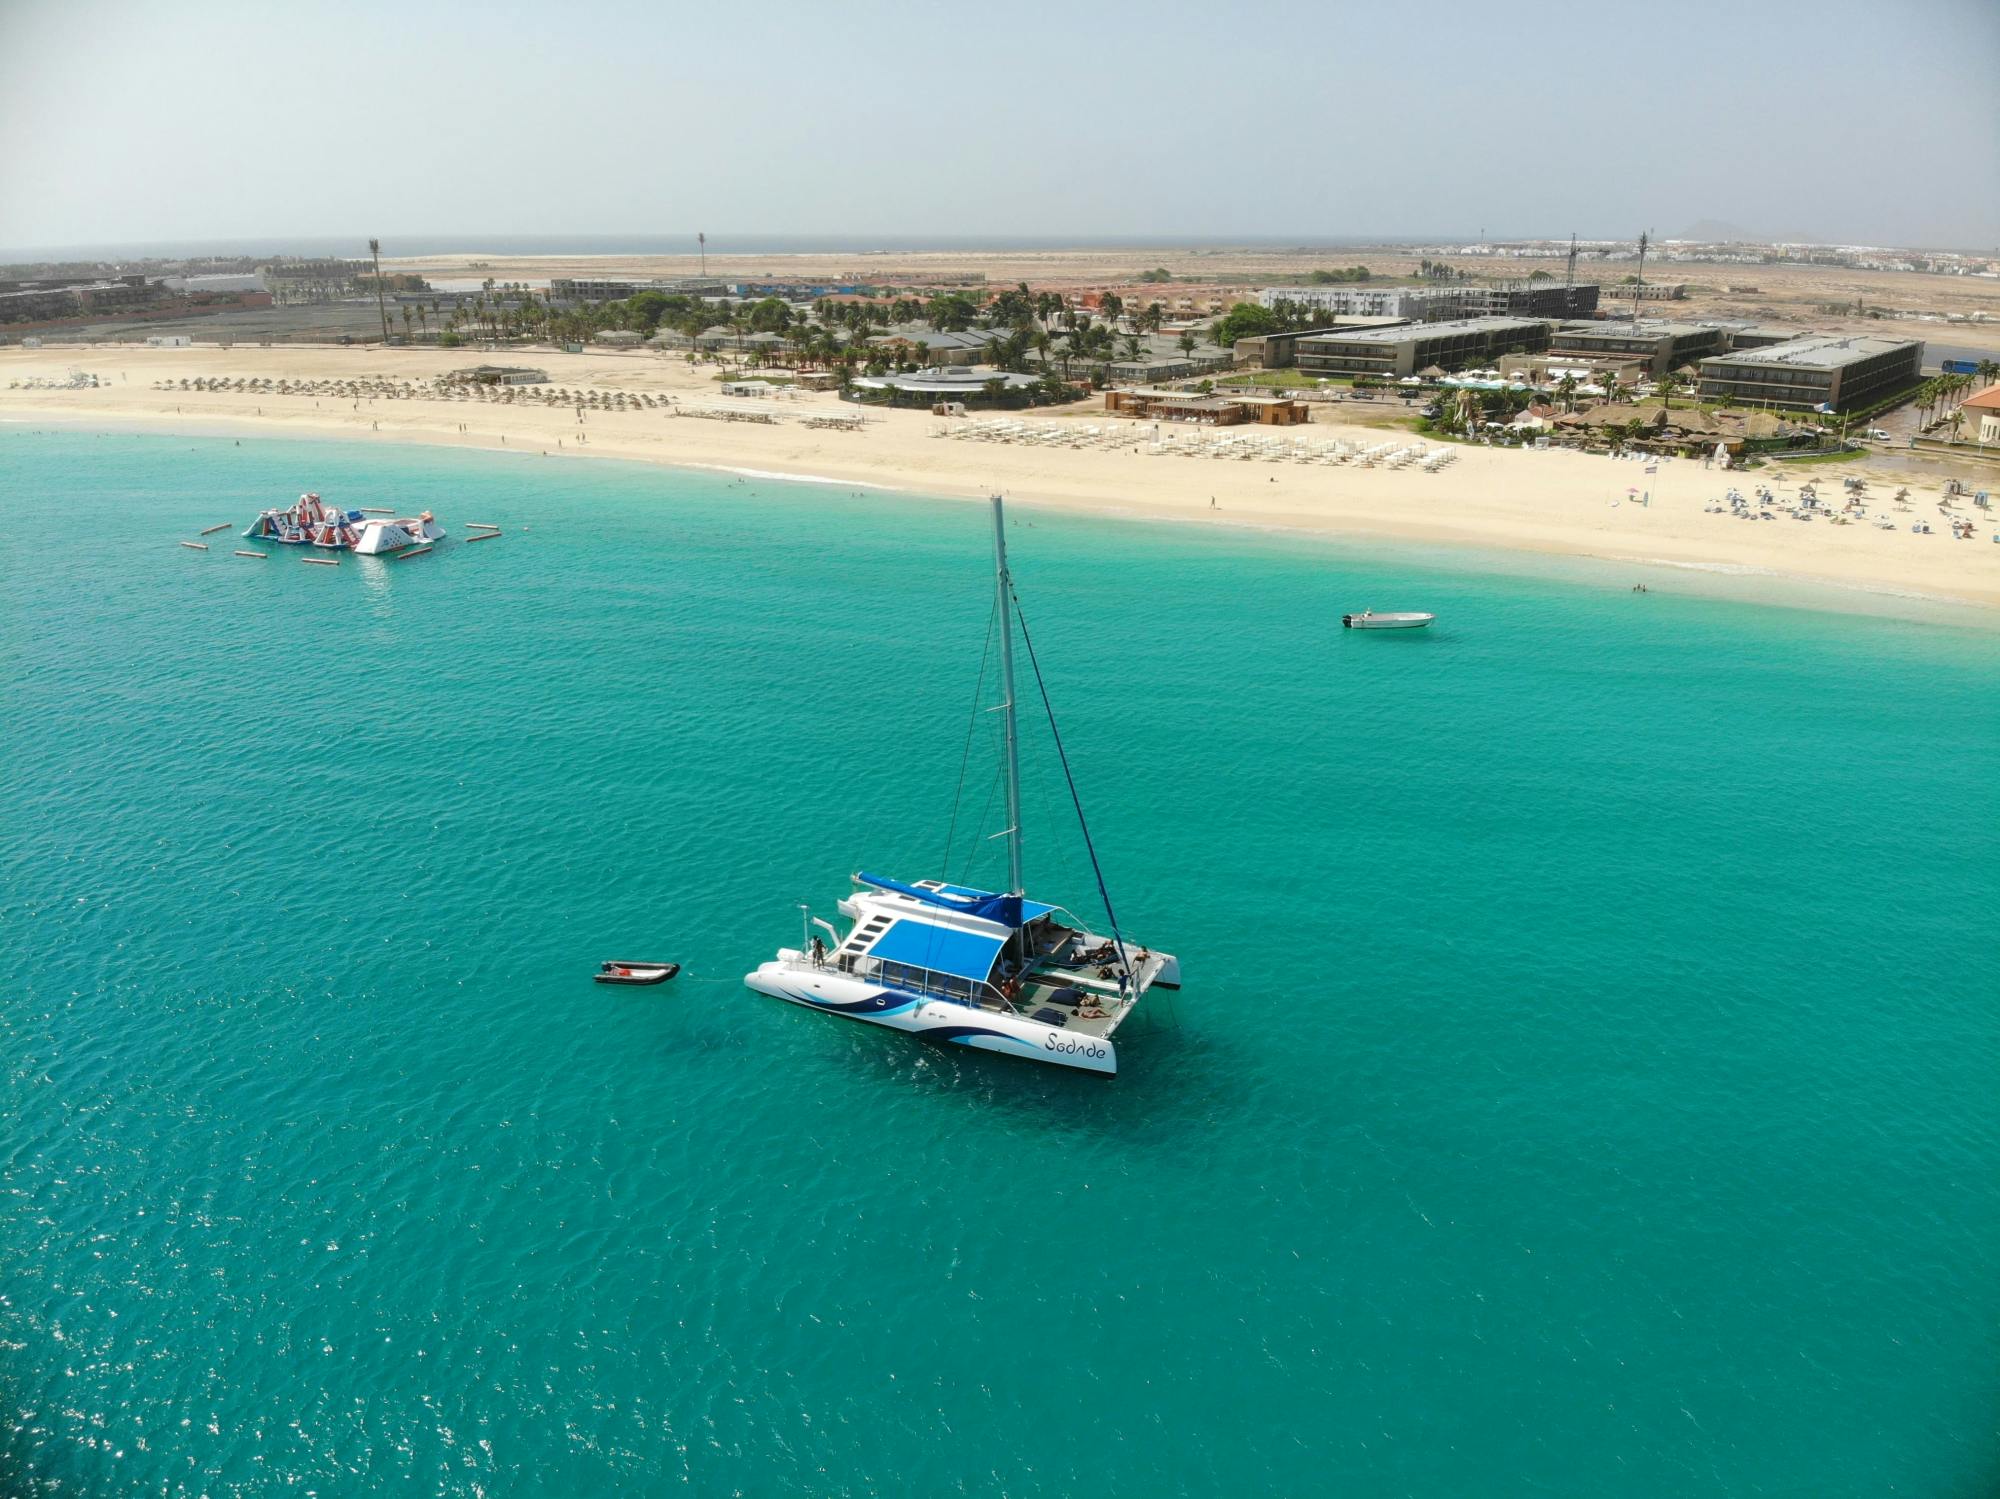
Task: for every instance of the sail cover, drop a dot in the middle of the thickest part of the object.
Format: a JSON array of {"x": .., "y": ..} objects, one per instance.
[
  {"x": 941, "y": 949},
  {"x": 1008, "y": 910}
]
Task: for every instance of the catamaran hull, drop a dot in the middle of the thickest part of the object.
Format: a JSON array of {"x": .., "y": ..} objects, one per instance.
[{"x": 936, "y": 1020}]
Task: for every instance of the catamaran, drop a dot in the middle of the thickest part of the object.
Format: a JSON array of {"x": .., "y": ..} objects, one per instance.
[{"x": 992, "y": 970}]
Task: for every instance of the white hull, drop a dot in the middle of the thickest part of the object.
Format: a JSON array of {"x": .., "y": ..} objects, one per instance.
[
  {"x": 1370, "y": 620},
  {"x": 940, "y": 1020}
]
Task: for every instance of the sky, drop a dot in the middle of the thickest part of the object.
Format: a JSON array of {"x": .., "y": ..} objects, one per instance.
[{"x": 131, "y": 122}]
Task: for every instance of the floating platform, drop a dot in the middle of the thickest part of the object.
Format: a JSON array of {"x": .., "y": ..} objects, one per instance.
[
  {"x": 196, "y": 546},
  {"x": 320, "y": 561},
  {"x": 223, "y": 527},
  {"x": 260, "y": 556}
]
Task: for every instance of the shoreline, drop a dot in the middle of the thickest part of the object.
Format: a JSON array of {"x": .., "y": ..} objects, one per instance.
[
  {"x": 1722, "y": 582},
  {"x": 1525, "y": 503}
]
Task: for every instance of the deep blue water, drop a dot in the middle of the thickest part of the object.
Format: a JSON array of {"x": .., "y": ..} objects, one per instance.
[{"x": 1586, "y": 1080}]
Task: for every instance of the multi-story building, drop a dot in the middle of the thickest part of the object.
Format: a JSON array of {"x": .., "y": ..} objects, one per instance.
[
  {"x": 25, "y": 302},
  {"x": 1536, "y": 299},
  {"x": 1660, "y": 346},
  {"x": 41, "y": 301},
  {"x": 1407, "y": 349},
  {"x": 1409, "y": 302},
  {"x": 126, "y": 294},
  {"x": 587, "y": 289},
  {"x": 1840, "y": 372},
  {"x": 1433, "y": 304},
  {"x": 1649, "y": 291}
]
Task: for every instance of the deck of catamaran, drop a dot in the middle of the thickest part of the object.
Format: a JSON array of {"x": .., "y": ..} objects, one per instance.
[{"x": 1042, "y": 967}]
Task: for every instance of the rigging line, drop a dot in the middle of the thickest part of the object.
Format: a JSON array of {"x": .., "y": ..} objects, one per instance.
[
  {"x": 1063, "y": 756},
  {"x": 971, "y": 726},
  {"x": 992, "y": 790}
]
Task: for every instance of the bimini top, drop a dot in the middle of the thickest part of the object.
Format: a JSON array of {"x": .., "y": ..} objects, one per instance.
[
  {"x": 1009, "y": 910},
  {"x": 941, "y": 949}
]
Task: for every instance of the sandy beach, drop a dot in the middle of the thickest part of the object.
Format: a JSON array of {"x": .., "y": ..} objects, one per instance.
[{"x": 1558, "y": 503}]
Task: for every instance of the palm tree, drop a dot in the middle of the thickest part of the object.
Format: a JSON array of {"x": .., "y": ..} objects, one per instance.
[
  {"x": 1669, "y": 383},
  {"x": 1187, "y": 342},
  {"x": 1927, "y": 401},
  {"x": 375, "y": 250},
  {"x": 1566, "y": 392}
]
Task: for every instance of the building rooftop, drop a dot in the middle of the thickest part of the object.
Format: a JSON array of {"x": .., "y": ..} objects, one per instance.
[
  {"x": 953, "y": 380},
  {"x": 924, "y": 333},
  {"x": 1987, "y": 400},
  {"x": 1406, "y": 333},
  {"x": 1768, "y": 330},
  {"x": 1648, "y": 328},
  {"x": 1818, "y": 351}
]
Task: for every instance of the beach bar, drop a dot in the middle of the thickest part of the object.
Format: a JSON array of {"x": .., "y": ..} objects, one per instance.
[{"x": 1213, "y": 411}]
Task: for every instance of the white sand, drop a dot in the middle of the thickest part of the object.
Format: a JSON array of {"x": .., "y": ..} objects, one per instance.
[{"x": 1552, "y": 502}]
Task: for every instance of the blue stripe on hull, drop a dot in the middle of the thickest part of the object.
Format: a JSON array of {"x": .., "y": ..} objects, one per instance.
[{"x": 886, "y": 1005}]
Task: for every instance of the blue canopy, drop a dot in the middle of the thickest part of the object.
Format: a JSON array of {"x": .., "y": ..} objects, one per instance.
[
  {"x": 1009, "y": 910},
  {"x": 941, "y": 949}
]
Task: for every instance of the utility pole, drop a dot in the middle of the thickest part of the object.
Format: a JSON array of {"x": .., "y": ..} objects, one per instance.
[
  {"x": 703, "y": 237},
  {"x": 1638, "y": 287},
  {"x": 382, "y": 307}
]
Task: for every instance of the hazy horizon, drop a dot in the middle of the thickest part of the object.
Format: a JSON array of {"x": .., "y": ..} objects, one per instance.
[{"x": 231, "y": 127}]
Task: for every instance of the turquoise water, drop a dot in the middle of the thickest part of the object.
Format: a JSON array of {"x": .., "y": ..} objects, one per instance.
[{"x": 1586, "y": 1080}]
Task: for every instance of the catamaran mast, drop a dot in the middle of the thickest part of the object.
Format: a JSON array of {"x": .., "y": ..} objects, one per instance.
[{"x": 1003, "y": 586}]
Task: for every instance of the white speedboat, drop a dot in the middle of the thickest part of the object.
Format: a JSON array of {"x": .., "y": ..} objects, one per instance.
[
  {"x": 376, "y": 537},
  {"x": 1370, "y": 619},
  {"x": 992, "y": 970}
]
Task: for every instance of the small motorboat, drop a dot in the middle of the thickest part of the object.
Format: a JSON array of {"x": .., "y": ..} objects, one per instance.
[
  {"x": 630, "y": 971},
  {"x": 1370, "y": 619}
]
